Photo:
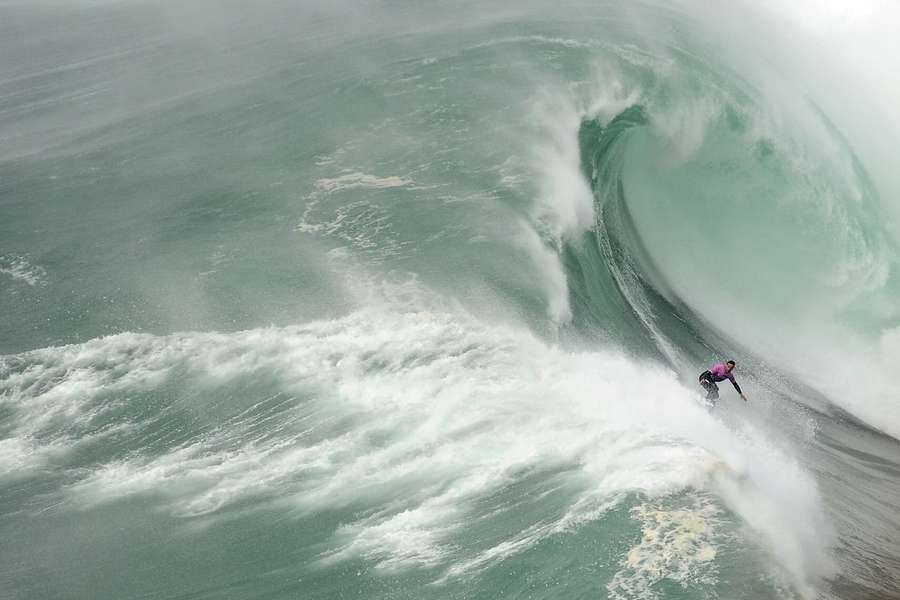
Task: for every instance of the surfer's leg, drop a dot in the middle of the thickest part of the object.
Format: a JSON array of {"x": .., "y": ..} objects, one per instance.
[{"x": 712, "y": 390}]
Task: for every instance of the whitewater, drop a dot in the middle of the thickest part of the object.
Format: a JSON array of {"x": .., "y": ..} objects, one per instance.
[{"x": 398, "y": 300}]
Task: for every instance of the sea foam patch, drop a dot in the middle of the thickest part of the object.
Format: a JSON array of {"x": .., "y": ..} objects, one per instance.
[
  {"x": 411, "y": 420},
  {"x": 22, "y": 271},
  {"x": 678, "y": 544},
  {"x": 357, "y": 179}
]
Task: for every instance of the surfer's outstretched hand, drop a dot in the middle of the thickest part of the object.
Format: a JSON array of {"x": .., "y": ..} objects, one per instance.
[{"x": 743, "y": 397}]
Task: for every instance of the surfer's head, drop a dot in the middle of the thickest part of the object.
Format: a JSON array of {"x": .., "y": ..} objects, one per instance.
[{"x": 729, "y": 365}]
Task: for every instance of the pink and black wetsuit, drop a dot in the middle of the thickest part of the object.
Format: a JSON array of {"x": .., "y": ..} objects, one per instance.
[{"x": 717, "y": 372}]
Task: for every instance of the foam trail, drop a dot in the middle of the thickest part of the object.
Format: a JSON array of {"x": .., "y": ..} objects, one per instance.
[{"x": 420, "y": 414}]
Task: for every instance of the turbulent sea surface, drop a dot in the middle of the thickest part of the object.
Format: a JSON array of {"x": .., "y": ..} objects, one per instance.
[{"x": 329, "y": 300}]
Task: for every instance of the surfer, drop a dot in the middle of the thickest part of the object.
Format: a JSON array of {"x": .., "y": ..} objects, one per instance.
[{"x": 719, "y": 372}]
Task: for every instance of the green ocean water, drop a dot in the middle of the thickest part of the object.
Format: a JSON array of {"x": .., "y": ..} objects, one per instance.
[{"x": 407, "y": 300}]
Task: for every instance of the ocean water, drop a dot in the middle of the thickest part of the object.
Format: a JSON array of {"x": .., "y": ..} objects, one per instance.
[{"x": 397, "y": 299}]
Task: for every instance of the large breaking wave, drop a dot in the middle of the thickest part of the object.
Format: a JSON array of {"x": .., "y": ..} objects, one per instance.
[
  {"x": 500, "y": 250},
  {"x": 729, "y": 219}
]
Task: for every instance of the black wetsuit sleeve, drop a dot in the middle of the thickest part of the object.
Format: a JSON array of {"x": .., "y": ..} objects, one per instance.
[{"x": 736, "y": 386}]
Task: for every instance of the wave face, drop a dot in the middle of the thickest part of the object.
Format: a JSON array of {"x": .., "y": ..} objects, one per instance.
[
  {"x": 739, "y": 234},
  {"x": 408, "y": 301}
]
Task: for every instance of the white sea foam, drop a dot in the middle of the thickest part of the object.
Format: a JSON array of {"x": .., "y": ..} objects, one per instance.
[
  {"x": 364, "y": 226},
  {"x": 357, "y": 179},
  {"x": 438, "y": 411},
  {"x": 20, "y": 269},
  {"x": 677, "y": 544}
]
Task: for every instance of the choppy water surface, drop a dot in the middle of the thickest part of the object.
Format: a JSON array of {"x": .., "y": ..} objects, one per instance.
[{"x": 393, "y": 300}]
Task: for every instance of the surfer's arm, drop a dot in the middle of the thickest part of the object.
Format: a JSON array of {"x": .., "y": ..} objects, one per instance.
[{"x": 737, "y": 387}]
